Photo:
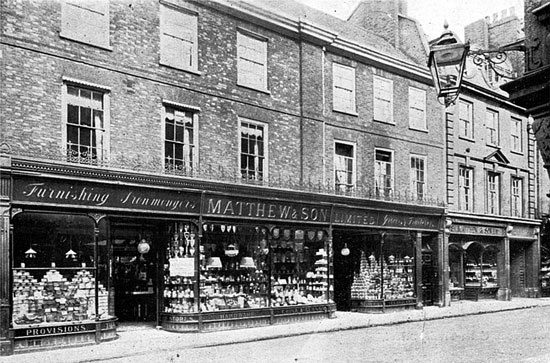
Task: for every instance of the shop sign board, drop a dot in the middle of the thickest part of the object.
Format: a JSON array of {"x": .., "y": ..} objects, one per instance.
[
  {"x": 53, "y": 330},
  {"x": 358, "y": 217},
  {"x": 272, "y": 210},
  {"x": 477, "y": 230},
  {"x": 45, "y": 191}
]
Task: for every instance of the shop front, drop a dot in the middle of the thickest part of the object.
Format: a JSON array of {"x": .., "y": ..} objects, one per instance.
[
  {"x": 387, "y": 259},
  {"x": 493, "y": 260},
  {"x": 86, "y": 257}
]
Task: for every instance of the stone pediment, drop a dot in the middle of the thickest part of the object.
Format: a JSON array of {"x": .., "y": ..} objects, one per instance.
[{"x": 497, "y": 157}]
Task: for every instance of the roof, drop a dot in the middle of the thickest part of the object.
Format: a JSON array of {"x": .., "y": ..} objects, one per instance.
[{"x": 299, "y": 12}]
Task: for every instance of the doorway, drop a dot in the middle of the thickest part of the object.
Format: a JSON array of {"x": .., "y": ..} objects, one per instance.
[{"x": 135, "y": 270}]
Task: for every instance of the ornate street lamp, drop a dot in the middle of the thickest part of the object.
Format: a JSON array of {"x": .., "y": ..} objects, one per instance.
[{"x": 447, "y": 61}]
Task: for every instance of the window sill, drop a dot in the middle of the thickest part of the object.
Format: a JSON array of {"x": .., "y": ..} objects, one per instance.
[
  {"x": 351, "y": 113},
  {"x": 385, "y": 122},
  {"x": 262, "y": 90},
  {"x": 516, "y": 152},
  {"x": 418, "y": 129},
  {"x": 466, "y": 138},
  {"x": 188, "y": 70},
  {"x": 73, "y": 39}
]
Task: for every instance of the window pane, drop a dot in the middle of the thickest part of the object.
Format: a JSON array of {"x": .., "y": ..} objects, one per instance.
[
  {"x": 72, "y": 114},
  {"x": 85, "y": 116}
]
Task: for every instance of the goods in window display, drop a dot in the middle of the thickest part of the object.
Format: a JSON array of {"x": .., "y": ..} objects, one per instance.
[
  {"x": 484, "y": 275},
  {"x": 55, "y": 298},
  {"x": 397, "y": 281}
]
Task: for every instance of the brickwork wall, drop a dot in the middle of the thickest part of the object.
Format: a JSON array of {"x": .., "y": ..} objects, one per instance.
[{"x": 38, "y": 58}]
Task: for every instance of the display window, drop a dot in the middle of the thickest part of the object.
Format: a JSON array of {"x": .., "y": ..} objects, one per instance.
[
  {"x": 386, "y": 269},
  {"x": 55, "y": 271},
  {"x": 481, "y": 265},
  {"x": 243, "y": 267}
]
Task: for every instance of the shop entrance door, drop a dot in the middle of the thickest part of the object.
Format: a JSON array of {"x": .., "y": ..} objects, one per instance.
[
  {"x": 135, "y": 271},
  {"x": 517, "y": 271}
]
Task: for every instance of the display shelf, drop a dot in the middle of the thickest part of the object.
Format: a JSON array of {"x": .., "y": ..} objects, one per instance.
[
  {"x": 370, "y": 283},
  {"x": 56, "y": 297}
]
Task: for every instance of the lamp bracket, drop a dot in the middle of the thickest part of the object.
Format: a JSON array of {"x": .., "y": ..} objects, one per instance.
[{"x": 493, "y": 57}]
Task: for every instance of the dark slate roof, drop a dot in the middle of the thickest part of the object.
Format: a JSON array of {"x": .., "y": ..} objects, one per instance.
[{"x": 298, "y": 11}]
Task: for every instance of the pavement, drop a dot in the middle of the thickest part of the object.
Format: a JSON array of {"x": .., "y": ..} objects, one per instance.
[{"x": 135, "y": 340}]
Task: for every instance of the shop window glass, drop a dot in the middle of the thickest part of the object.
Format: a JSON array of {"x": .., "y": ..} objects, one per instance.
[
  {"x": 385, "y": 271},
  {"x": 481, "y": 265},
  {"x": 54, "y": 271}
]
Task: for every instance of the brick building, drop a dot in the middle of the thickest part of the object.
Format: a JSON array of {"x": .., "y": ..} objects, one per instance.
[{"x": 205, "y": 165}]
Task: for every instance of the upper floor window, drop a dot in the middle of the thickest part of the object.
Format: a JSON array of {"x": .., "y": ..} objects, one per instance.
[
  {"x": 252, "y": 61},
  {"x": 180, "y": 140},
  {"x": 418, "y": 177},
  {"x": 86, "y": 21},
  {"x": 178, "y": 38},
  {"x": 417, "y": 108},
  {"x": 344, "y": 88},
  {"x": 344, "y": 167},
  {"x": 383, "y": 172},
  {"x": 465, "y": 189},
  {"x": 466, "y": 115},
  {"x": 383, "y": 99},
  {"x": 516, "y": 135},
  {"x": 492, "y": 124},
  {"x": 517, "y": 197},
  {"x": 86, "y": 120},
  {"x": 253, "y": 161},
  {"x": 493, "y": 193}
]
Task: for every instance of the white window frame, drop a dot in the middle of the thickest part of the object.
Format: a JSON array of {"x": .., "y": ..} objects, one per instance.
[
  {"x": 493, "y": 193},
  {"x": 249, "y": 45},
  {"x": 383, "y": 99},
  {"x": 466, "y": 119},
  {"x": 516, "y": 197},
  {"x": 516, "y": 134},
  {"x": 86, "y": 22},
  {"x": 417, "y": 109},
  {"x": 492, "y": 124},
  {"x": 345, "y": 187},
  {"x": 265, "y": 172},
  {"x": 66, "y": 99},
  {"x": 465, "y": 190},
  {"x": 384, "y": 190},
  {"x": 191, "y": 164},
  {"x": 179, "y": 38},
  {"x": 418, "y": 176},
  {"x": 343, "y": 95}
]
